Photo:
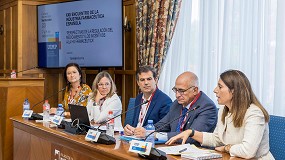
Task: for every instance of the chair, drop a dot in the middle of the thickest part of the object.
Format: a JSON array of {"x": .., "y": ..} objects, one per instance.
[
  {"x": 130, "y": 113},
  {"x": 277, "y": 136}
]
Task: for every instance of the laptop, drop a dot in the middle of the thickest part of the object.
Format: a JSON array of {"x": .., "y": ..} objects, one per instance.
[{"x": 79, "y": 112}]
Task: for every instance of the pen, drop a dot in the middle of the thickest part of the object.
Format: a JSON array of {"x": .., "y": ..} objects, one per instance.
[{"x": 182, "y": 150}]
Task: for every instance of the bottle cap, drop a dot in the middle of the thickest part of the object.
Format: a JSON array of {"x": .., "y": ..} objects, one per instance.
[
  {"x": 110, "y": 112},
  {"x": 59, "y": 105},
  {"x": 149, "y": 121},
  {"x": 46, "y": 101}
]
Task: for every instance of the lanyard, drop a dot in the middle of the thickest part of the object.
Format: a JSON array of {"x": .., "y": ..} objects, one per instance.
[
  {"x": 142, "y": 115},
  {"x": 191, "y": 104}
]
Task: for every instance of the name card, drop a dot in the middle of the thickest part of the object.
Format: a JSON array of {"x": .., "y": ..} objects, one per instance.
[
  {"x": 140, "y": 147},
  {"x": 56, "y": 119},
  {"x": 92, "y": 135},
  {"x": 27, "y": 113}
]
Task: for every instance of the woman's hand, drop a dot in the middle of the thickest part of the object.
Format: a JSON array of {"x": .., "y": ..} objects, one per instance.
[
  {"x": 183, "y": 135},
  {"x": 99, "y": 96},
  {"x": 220, "y": 148}
]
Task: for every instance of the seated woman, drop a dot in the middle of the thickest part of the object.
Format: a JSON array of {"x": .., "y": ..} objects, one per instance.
[
  {"x": 76, "y": 91},
  {"x": 104, "y": 99},
  {"x": 242, "y": 128}
]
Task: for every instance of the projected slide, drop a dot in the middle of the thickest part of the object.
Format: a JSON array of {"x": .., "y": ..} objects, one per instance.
[{"x": 87, "y": 32}]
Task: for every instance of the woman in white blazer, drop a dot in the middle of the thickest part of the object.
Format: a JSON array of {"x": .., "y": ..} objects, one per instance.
[
  {"x": 242, "y": 128},
  {"x": 104, "y": 99}
]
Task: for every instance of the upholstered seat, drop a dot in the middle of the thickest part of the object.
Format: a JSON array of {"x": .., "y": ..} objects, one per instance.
[{"x": 277, "y": 136}]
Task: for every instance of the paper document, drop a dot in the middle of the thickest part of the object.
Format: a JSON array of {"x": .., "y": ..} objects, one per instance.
[
  {"x": 184, "y": 148},
  {"x": 104, "y": 128}
]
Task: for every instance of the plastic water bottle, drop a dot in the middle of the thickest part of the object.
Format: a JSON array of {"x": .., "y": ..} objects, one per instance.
[
  {"x": 13, "y": 74},
  {"x": 60, "y": 110},
  {"x": 110, "y": 124},
  {"x": 149, "y": 129},
  {"x": 26, "y": 105},
  {"x": 46, "y": 109}
]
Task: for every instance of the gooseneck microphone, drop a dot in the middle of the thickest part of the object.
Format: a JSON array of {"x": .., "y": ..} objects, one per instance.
[
  {"x": 28, "y": 69},
  {"x": 158, "y": 154},
  {"x": 104, "y": 122},
  {"x": 36, "y": 116},
  {"x": 158, "y": 129},
  {"x": 106, "y": 139}
]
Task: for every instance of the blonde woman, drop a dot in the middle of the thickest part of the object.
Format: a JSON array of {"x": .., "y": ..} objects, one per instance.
[{"x": 104, "y": 99}]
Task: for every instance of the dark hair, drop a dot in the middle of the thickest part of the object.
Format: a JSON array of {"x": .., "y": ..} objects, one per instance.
[
  {"x": 243, "y": 96},
  {"x": 78, "y": 69},
  {"x": 145, "y": 69}
]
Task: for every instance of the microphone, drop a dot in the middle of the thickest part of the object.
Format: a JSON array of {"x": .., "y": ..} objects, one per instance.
[
  {"x": 158, "y": 154},
  {"x": 28, "y": 69},
  {"x": 104, "y": 122},
  {"x": 36, "y": 116},
  {"x": 106, "y": 139}
]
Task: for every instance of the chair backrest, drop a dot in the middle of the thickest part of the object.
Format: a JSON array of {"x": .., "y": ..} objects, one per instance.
[
  {"x": 277, "y": 136},
  {"x": 130, "y": 114}
]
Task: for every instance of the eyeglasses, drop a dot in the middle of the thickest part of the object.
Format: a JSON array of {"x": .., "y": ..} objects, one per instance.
[
  {"x": 106, "y": 85},
  {"x": 181, "y": 91}
]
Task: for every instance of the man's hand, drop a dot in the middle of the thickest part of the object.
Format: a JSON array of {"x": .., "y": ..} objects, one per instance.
[
  {"x": 129, "y": 130},
  {"x": 139, "y": 132}
]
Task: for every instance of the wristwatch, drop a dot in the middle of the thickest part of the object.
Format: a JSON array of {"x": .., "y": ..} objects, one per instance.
[{"x": 192, "y": 132}]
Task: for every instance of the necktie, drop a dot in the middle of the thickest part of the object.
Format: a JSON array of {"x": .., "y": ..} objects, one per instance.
[{"x": 184, "y": 110}]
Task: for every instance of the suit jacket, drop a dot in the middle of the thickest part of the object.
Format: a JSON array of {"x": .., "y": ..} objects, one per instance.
[
  {"x": 158, "y": 108},
  {"x": 203, "y": 119}
]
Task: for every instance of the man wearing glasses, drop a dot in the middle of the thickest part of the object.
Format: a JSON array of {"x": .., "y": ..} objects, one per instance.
[
  {"x": 158, "y": 102},
  {"x": 195, "y": 109}
]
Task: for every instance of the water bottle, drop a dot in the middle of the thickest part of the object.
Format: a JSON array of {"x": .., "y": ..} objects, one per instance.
[
  {"x": 149, "y": 129},
  {"x": 13, "y": 74},
  {"x": 26, "y": 105},
  {"x": 46, "y": 109},
  {"x": 110, "y": 125},
  {"x": 60, "y": 110}
]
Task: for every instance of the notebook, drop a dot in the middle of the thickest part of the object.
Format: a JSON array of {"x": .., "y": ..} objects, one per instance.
[{"x": 79, "y": 112}]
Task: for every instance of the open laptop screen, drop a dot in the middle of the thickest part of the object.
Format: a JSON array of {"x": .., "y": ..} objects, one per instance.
[{"x": 79, "y": 112}]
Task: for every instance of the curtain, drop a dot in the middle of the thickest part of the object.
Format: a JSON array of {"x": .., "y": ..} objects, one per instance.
[
  {"x": 156, "y": 21},
  {"x": 212, "y": 36}
]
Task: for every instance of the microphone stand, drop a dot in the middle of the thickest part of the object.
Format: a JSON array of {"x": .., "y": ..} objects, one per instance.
[
  {"x": 157, "y": 130},
  {"x": 106, "y": 139},
  {"x": 104, "y": 122},
  {"x": 36, "y": 116},
  {"x": 28, "y": 69},
  {"x": 157, "y": 154}
]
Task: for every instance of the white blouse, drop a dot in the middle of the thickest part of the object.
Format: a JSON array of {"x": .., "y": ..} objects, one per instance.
[{"x": 100, "y": 114}]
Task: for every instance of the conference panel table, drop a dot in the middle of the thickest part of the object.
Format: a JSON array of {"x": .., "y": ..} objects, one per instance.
[{"x": 34, "y": 141}]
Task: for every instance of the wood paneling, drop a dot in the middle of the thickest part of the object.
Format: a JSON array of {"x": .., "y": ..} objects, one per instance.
[
  {"x": 18, "y": 50},
  {"x": 13, "y": 93}
]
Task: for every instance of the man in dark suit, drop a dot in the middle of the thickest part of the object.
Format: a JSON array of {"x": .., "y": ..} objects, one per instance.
[
  {"x": 188, "y": 97},
  {"x": 158, "y": 105}
]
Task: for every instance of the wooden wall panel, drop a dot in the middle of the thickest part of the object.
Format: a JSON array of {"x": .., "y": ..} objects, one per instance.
[
  {"x": 29, "y": 24},
  {"x": 19, "y": 50},
  {"x": 22, "y": 143},
  {"x": 2, "y": 47},
  {"x": 14, "y": 43},
  {"x": 8, "y": 38}
]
